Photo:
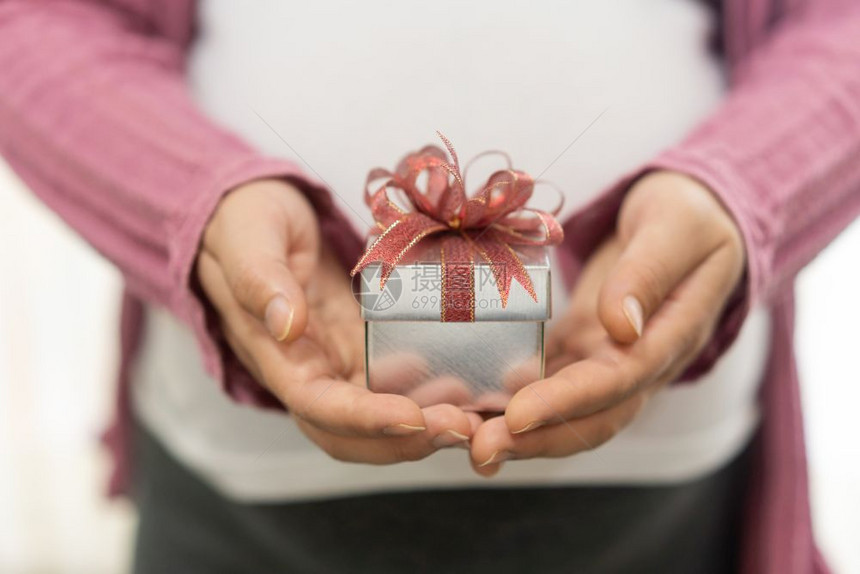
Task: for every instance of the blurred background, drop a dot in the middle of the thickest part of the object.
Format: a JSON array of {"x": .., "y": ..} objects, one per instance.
[{"x": 58, "y": 350}]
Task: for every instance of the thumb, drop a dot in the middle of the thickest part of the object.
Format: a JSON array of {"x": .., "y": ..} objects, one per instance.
[
  {"x": 265, "y": 287},
  {"x": 262, "y": 262},
  {"x": 654, "y": 261}
]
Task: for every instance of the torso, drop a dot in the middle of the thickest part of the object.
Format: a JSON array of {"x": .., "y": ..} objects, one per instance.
[{"x": 524, "y": 77}]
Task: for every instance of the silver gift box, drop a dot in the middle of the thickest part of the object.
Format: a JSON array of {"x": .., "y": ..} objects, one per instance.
[{"x": 477, "y": 365}]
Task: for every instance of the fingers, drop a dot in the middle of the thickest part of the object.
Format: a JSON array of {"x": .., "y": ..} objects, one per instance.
[
  {"x": 347, "y": 409},
  {"x": 673, "y": 264},
  {"x": 669, "y": 223},
  {"x": 245, "y": 335},
  {"x": 447, "y": 427},
  {"x": 253, "y": 266},
  {"x": 652, "y": 264},
  {"x": 577, "y": 332},
  {"x": 266, "y": 289},
  {"x": 263, "y": 284},
  {"x": 698, "y": 303},
  {"x": 301, "y": 376},
  {"x": 493, "y": 443},
  {"x": 614, "y": 372},
  {"x": 578, "y": 390}
]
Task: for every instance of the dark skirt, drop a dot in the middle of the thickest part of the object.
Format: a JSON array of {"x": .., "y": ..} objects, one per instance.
[{"x": 187, "y": 527}]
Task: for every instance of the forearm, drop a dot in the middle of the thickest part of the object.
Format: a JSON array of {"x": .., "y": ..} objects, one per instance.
[
  {"x": 96, "y": 118},
  {"x": 782, "y": 154}
]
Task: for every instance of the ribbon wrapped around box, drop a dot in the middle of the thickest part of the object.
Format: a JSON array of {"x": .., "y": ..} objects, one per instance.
[{"x": 445, "y": 322}]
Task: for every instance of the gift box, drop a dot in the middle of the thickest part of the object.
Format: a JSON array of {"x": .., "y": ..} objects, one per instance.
[
  {"x": 454, "y": 288},
  {"x": 476, "y": 364}
]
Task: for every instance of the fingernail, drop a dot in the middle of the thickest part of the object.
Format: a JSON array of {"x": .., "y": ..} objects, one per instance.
[
  {"x": 531, "y": 426},
  {"x": 451, "y": 438},
  {"x": 496, "y": 458},
  {"x": 633, "y": 311},
  {"x": 403, "y": 430},
  {"x": 279, "y": 317}
]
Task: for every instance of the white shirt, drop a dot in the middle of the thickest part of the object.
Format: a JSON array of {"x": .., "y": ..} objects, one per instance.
[{"x": 354, "y": 85}]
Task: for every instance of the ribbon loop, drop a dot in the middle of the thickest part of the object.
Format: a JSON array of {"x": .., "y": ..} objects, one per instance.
[{"x": 487, "y": 224}]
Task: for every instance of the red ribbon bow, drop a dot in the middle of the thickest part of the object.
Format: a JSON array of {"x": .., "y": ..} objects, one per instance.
[{"x": 487, "y": 223}]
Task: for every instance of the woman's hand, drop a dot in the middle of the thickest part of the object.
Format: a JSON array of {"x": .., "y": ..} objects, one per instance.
[
  {"x": 287, "y": 311},
  {"x": 647, "y": 302}
]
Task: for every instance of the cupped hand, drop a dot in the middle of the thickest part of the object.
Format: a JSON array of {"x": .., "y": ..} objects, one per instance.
[
  {"x": 646, "y": 303},
  {"x": 286, "y": 309}
]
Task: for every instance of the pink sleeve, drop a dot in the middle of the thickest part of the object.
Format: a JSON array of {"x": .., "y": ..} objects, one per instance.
[
  {"x": 782, "y": 153},
  {"x": 96, "y": 119}
]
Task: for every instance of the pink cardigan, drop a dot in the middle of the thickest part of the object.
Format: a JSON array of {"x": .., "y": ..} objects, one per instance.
[{"x": 95, "y": 117}]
